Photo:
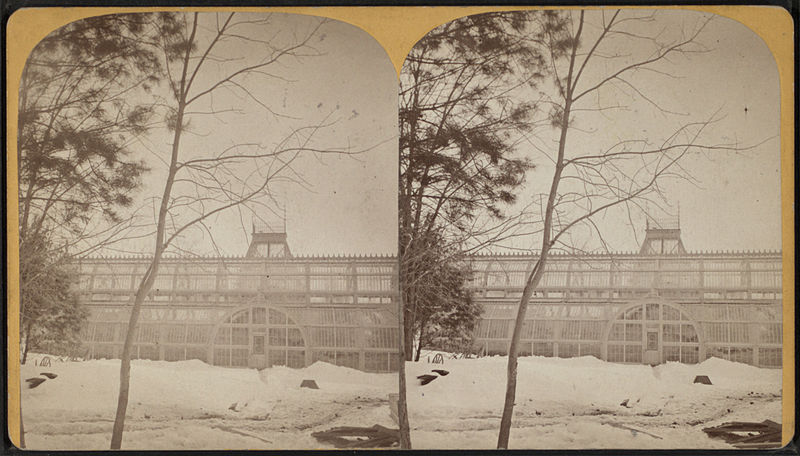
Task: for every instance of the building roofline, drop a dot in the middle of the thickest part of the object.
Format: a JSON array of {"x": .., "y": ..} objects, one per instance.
[
  {"x": 696, "y": 253},
  {"x": 243, "y": 258},
  {"x": 485, "y": 255}
]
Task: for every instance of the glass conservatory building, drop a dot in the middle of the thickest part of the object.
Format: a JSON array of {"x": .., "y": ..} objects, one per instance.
[
  {"x": 660, "y": 304},
  {"x": 270, "y": 308},
  {"x": 265, "y": 309}
]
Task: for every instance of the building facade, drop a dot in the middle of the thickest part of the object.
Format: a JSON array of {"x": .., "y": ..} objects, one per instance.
[
  {"x": 269, "y": 308},
  {"x": 265, "y": 309},
  {"x": 658, "y": 305}
]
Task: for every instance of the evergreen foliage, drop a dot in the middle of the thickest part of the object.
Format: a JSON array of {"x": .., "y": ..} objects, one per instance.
[
  {"x": 78, "y": 113},
  {"x": 446, "y": 314},
  {"x": 459, "y": 125},
  {"x": 50, "y": 313}
]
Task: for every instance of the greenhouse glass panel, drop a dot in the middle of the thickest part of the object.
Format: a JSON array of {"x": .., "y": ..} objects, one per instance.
[
  {"x": 567, "y": 350},
  {"x": 690, "y": 354},
  {"x": 258, "y": 345},
  {"x": 346, "y": 337},
  {"x": 294, "y": 338},
  {"x": 259, "y": 315},
  {"x": 715, "y": 332},
  {"x": 239, "y": 336},
  {"x": 633, "y": 332},
  {"x": 591, "y": 330},
  {"x": 617, "y": 332},
  {"x": 717, "y": 352},
  {"x": 542, "y": 348},
  {"x": 277, "y": 337},
  {"x": 741, "y": 354},
  {"x": 239, "y": 357},
  {"x": 616, "y": 353},
  {"x": 148, "y": 352},
  {"x": 176, "y": 333},
  {"x": 222, "y": 356},
  {"x": 295, "y": 358},
  {"x": 498, "y": 329},
  {"x": 497, "y": 347},
  {"x": 770, "y": 357},
  {"x": 197, "y": 353},
  {"x": 322, "y": 336},
  {"x": 197, "y": 334},
  {"x": 483, "y": 329},
  {"x": 769, "y": 333},
  {"x": 324, "y": 356},
  {"x": 276, "y": 318},
  {"x": 277, "y": 357},
  {"x": 394, "y": 362},
  {"x": 633, "y": 353},
  {"x": 739, "y": 332},
  {"x": 223, "y": 336},
  {"x": 739, "y": 313},
  {"x": 590, "y": 350},
  {"x": 147, "y": 333},
  {"x": 527, "y": 330},
  {"x": 376, "y": 362},
  {"x": 570, "y": 330},
  {"x": 634, "y": 313},
  {"x": 174, "y": 353},
  {"x": 671, "y": 333},
  {"x": 688, "y": 334},
  {"x": 242, "y": 317},
  {"x": 381, "y": 337},
  {"x": 652, "y": 312},
  {"x": 671, "y": 313},
  {"x": 347, "y": 359},
  {"x": 672, "y": 353},
  {"x": 87, "y": 331}
]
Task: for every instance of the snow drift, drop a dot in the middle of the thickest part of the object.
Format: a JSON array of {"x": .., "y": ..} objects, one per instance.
[{"x": 561, "y": 403}]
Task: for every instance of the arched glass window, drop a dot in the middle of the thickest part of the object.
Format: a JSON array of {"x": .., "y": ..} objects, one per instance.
[
  {"x": 653, "y": 333},
  {"x": 259, "y": 336}
]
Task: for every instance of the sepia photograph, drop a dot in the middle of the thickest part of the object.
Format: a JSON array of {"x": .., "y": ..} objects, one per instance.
[
  {"x": 590, "y": 232},
  {"x": 208, "y": 232},
  {"x": 533, "y": 229}
]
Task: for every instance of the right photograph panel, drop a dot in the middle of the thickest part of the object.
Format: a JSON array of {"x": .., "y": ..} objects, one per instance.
[{"x": 590, "y": 232}]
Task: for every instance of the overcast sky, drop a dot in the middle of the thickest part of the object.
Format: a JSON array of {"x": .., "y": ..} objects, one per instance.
[
  {"x": 349, "y": 204},
  {"x": 735, "y": 204}
]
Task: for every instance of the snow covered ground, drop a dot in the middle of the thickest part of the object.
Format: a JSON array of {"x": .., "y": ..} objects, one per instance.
[
  {"x": 561, "y": 403},
  {"x": 575, "y": 403}
]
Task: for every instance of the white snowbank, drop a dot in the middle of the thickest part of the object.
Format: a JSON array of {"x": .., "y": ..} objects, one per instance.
[
  {"x": 572, "y": 400},
  {"x": 560, "y": 403},
  {"x": 478, "y": 385}
]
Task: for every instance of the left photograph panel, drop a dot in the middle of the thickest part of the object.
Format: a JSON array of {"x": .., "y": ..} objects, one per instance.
[{"x": 207, "y": 228}]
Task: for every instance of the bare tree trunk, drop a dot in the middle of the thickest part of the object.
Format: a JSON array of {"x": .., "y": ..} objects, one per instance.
[
  {"x": 24, "y": 359},
  {"x": 150, "y": 276},
  {"x": 27, "y": 343},
  {"x": 408, "y": 327},
  {"x": 513, "y": 353},
  {"x": 536, "y": 274},
  {"x": 182, "y": 87},
  {"x": 408, "y": 343},
  {"x": 25, "y": 352},
  {"x": 533, "y": 281},
  {"x": 125, "y": 361},
  {"x": 402, "y": 403},
  {"x": 21, "y": 427},
  {"x": 420, "y": 343},
  {"x": 144, "y": 288}
]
